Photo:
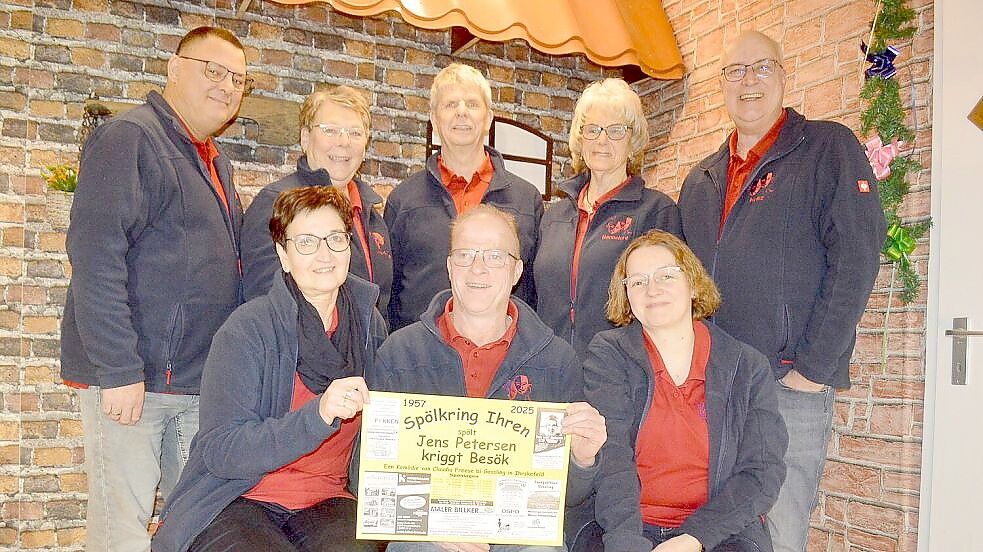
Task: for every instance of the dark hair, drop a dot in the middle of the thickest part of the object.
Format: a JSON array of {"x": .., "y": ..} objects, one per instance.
[
  {"x": 291, "y": 203},
  {"x": 199, "y": 33}
]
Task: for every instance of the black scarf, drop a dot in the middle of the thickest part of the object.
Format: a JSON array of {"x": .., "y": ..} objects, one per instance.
[{"x": 321, "y": 360}]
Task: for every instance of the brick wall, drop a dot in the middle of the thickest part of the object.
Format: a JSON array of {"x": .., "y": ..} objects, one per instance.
[
  {"x": 56, "y": 53},
  {"x": 869, "y": 498}
]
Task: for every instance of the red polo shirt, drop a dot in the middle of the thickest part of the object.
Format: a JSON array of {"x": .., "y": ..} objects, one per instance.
[
  {"x": 672, "y": 451},
  {"x": 320, "y": 474},
  {"x": 739, "y": 169},
  {"x": 355, "y": 199},
  {"x": 480, "y": 363},
  {"x": 208, "y": 152},
  {"x": 467, "y": 193},
  {"x": 586, "y": 213}
]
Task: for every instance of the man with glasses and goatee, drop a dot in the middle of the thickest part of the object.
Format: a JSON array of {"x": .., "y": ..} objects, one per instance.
[
  {"x": 786, "y": 218},
  {"x": 154, "y": 247}
]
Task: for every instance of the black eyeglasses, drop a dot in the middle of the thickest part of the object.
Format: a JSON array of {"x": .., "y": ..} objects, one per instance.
[
  {"x": 494, "y": 258},
  {"x": 216, "y": 72},
  {"x": 614, "y": 132},
  {"x": 763, "y": 68},
  {"x": 307, "y": 244}
]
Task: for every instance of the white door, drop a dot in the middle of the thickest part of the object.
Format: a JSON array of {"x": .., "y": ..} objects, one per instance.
[{"x": 952, "y": 471}]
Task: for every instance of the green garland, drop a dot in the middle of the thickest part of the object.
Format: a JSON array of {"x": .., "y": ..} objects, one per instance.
[{"x": 885, "y": 113}]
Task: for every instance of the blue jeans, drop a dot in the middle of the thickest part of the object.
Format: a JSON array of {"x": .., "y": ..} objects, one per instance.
[
  {"x": 126, "y": 464},
  {"x": 431, "y": 547},
  {"x": 809, "y": 419}
]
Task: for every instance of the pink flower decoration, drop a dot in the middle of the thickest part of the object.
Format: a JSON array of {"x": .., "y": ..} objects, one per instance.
[{"x": 881, "y": 155}]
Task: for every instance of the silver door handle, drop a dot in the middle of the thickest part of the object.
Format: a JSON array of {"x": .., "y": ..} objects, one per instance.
[
  {"x": 964, "y": 333},
  {"x": 959, "y": 333}
]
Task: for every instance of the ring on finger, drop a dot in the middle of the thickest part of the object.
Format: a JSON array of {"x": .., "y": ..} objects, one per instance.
[{"x": 348, "y": 395}]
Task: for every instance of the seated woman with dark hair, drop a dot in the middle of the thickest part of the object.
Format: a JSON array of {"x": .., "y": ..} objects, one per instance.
[
  {"x": 281, "y": 395},
  {"x": 695, "y": 443}
]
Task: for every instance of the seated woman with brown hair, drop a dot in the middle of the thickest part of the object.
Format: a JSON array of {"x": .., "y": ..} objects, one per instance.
[
  {"x": 281, "y": 396},
  {"x": 695, "y": 443}
]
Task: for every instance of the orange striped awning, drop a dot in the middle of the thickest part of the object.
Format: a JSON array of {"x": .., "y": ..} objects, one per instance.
[{"x": 611, "y": 33}]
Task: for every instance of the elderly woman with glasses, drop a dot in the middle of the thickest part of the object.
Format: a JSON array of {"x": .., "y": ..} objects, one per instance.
[
  {"x": 334, "y": 136},
  {"x": 602, "y": 209},
  {"x": 283, "y": 387},
  {"x": 695, "y": 443}
]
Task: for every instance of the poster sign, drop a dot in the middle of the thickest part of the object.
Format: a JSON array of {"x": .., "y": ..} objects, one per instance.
[{"x": 454, "y": 469}]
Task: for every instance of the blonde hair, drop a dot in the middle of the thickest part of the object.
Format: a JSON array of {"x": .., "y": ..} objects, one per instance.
[
  {"x": 344, "y": 96},
  {"x": 617, "y": 95},
  {"x": 485, "y": 210},
  {"x": 459, "y": 73},
  {"x": 706, "y": 297}
]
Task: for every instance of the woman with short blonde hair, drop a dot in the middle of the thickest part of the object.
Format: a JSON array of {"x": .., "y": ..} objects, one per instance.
[{"x": 335, "y": 131}]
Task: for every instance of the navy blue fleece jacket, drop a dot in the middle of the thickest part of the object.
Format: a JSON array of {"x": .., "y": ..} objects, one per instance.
[
  {"x": 247, "y": 429},
  {"x": 416, "y": 359},
  {"x": 799, "y": 252},
  {"x": 747, "y": 439},
  {"x": 154, "y": 253},
  {"x": 419, "y": 212},
  {"x": 632, "y": 212},
  {"x": 260, "y": 264}
]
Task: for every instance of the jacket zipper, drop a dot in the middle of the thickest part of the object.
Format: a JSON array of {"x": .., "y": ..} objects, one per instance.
[
  {"x": 723, "y": 431},
  {"x": 168, "y": 360}
]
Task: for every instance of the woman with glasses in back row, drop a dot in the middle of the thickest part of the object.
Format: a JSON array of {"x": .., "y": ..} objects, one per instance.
[
  {"x": 281, "y": 399},
  {"x": 604, "y": 207},
  {"x": 334, "y": 136}
]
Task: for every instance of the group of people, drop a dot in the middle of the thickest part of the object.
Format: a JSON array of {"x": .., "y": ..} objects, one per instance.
[{"x": 225, "y": 356}]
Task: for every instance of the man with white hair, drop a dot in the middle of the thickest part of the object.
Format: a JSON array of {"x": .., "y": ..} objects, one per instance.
[
  {"x": 463, "y": 174},
  {"x": 786, "y": 217}
]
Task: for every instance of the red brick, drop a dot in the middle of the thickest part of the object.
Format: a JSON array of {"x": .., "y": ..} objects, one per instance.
[
  {"x": 871, "y": 542},
  {"x": 850, "y": 479},
  {"x": 887, "y": 453},
  {"x": 888, "y": 520},
  {"x": 890, "y": 419}
]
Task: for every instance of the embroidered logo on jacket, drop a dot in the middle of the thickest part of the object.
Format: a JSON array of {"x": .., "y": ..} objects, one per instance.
[
  {"x": 618, "y": 228},
  {"x": 380, "y": 244},
  {"x": 762, "y": 188},
  {"x": 520, "y": 385},
  {"x": 863, "y": 186}
]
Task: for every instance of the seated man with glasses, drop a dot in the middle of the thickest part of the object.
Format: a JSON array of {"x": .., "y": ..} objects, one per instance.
[
  {"x": 153, "y": 244},
  {"x": 786, "y": 217},
  {"x": 476, "y": 341}
]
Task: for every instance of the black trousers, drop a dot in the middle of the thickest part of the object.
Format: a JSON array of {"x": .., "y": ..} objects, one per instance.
[{"x": 246, "y": 525}]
